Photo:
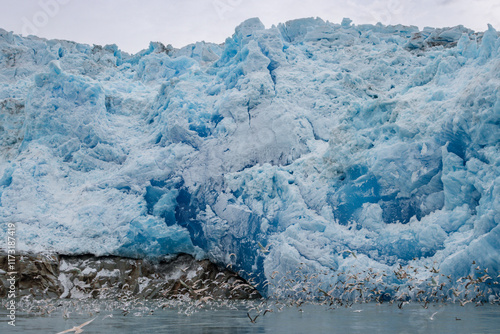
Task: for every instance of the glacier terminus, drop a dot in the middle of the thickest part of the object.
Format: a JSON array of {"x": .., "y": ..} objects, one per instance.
[{"x": 309, "y": 145}]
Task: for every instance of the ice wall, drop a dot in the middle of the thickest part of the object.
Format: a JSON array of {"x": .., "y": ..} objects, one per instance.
[{"x": 309, "y": 144}]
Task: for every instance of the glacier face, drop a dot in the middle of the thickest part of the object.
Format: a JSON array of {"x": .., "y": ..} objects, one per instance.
[{"x": 309, "y": 144}]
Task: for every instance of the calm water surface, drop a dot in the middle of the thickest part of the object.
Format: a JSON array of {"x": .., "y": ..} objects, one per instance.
[{"x": 364, "y": 318}]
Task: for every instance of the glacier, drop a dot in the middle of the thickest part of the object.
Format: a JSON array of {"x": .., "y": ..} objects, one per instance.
[{"x": 308, "y": 144}]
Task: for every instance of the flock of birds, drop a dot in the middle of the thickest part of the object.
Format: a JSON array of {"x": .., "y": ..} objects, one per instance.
[
  {"x": 404, "y": 285},
  {"x": 291, "y": 289}
]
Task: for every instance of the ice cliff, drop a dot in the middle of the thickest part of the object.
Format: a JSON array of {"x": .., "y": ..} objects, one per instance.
[{"x": 308, "y": 144}]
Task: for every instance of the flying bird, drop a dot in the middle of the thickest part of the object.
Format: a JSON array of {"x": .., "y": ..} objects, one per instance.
[
  {"x": 262, "y": 248},
  {"x": 350, "y": 252},
  {"x": 77, "y": 329},
  {"x": 252, "y": 320}
]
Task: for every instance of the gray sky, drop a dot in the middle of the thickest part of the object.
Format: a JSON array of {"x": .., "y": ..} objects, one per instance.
[{"x": 131, "y": 24}]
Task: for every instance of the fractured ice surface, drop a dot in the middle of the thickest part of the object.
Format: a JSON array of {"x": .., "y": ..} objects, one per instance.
[{"x": 302, "y": 143}]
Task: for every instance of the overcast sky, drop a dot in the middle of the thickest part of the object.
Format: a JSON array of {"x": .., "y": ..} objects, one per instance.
[{"x": 131, "y": 24}]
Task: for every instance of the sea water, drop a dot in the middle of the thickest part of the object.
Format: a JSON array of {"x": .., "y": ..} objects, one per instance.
[{"x": 242, "y": 318}]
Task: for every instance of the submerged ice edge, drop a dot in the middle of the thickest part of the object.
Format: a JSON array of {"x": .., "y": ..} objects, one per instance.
[{"x": 310, "y": 144}]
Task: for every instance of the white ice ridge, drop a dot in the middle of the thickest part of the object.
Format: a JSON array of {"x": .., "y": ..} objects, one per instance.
[{"x": 304, "y": 143}]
